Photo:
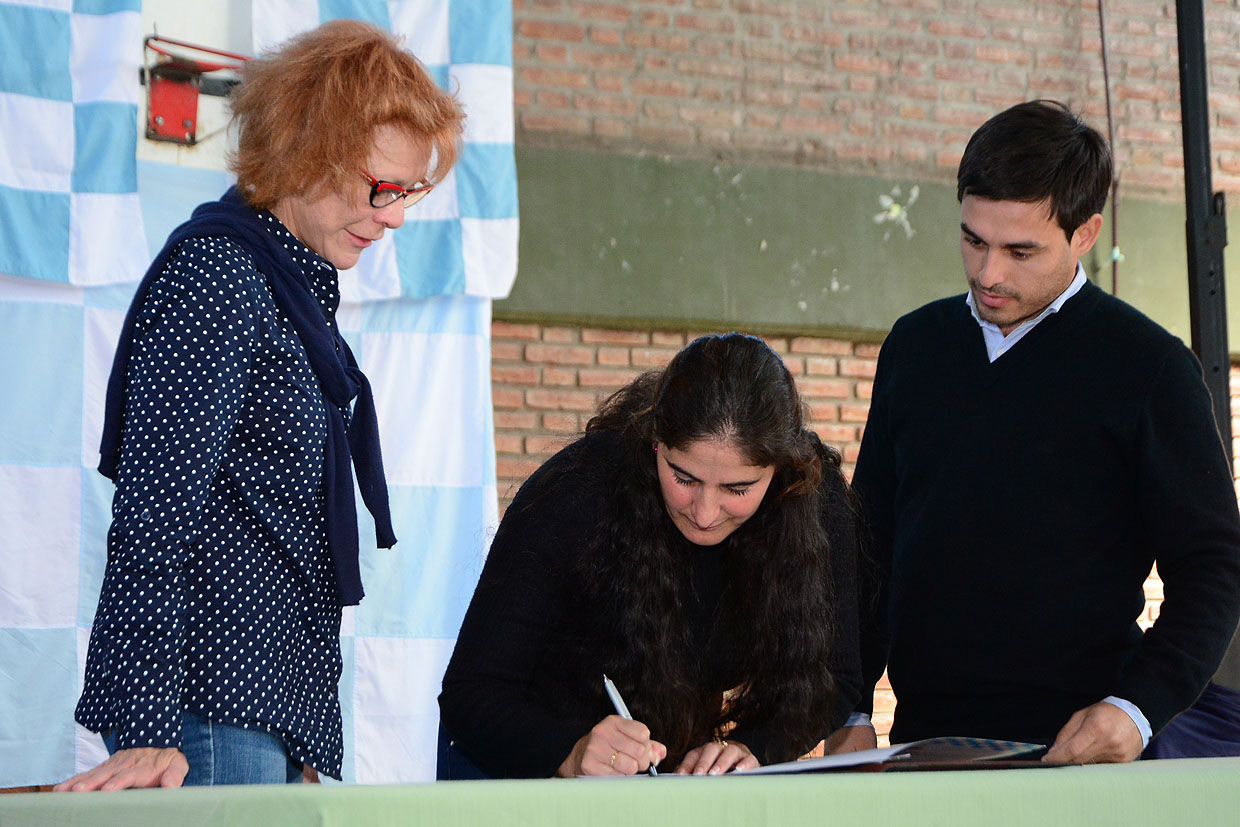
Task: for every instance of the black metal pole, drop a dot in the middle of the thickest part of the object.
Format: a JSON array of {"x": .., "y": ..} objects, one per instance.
[
  {"x": 1206, "y": 219},
  {"x": 1207, "y": 236}
]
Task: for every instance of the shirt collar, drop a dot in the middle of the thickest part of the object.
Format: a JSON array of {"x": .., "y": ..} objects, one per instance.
[
  {"x": 1078, "y": 281},
  {"x": 998, "y": 344}
]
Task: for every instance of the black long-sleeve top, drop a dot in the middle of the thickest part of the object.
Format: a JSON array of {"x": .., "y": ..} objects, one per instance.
[
  {"x": 219, "y": 596},
  {"x": 1017, "y": 507},
  {"x": 523, "y": 683}
]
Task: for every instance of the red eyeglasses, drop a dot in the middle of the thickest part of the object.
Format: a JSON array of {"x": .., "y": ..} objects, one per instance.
[{"x": 383, "y": 193}]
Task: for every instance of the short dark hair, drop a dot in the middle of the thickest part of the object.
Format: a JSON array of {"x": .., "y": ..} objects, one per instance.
[{"x": 1034, "y": 151}]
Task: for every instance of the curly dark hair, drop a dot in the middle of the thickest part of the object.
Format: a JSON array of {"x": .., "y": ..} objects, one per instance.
[{"x": 777, "y": 600}]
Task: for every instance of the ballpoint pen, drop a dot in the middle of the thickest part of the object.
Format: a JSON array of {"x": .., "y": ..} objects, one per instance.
[{"x": 622, "y": 709}]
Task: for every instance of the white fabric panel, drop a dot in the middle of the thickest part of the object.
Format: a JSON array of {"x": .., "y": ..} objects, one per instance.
[
  {"x": 42, "y": 159},
  {"x": 376, "y": 275},
  {"x": 349, "y": 314},
  {"x": 275, "y": 21},
  {"x": 40, "y": 528},
  {"x": 486, "y": 94},
  {"x": 347, "y": 615},
  {"x": 102, "y": 44},
  {"x": 490, "y": 249},
  {"x": 440, "y": 204},
  {"x": 397, "y": 716},
  {"x": 430, "y": 406},
  {"x": 424, "y": 26},
  {"x": 106, "y": 240}
]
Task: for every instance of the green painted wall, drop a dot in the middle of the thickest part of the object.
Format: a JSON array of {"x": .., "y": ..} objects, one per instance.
[{"x": 651, "y": 240}]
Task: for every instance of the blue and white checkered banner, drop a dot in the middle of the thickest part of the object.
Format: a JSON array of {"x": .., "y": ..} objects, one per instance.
[
  {"x": 79, "y": 218},
  {"x": 68, "y": 104}
]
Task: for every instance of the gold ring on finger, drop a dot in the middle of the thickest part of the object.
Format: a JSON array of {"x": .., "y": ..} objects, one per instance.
[
  {"x": 722, "y": 744},
  {"x": 612, "y": 762}
]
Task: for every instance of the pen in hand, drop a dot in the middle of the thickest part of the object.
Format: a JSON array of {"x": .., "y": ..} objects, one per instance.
[{"x": 622, "y": 709}]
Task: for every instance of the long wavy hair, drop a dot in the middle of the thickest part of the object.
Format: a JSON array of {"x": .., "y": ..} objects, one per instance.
[{"x": 776, "y": 618}]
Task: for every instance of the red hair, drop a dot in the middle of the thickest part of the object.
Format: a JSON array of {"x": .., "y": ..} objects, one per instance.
[{"x": 306, "y": 113}]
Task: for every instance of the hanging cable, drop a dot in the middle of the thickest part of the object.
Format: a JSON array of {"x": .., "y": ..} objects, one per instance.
[{"x": 1116, "y": 256}]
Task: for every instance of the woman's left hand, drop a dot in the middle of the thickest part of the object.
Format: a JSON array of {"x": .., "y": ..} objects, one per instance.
[
  {"x": 716, "y": 758},
  {"x": 131, "y": 767}
]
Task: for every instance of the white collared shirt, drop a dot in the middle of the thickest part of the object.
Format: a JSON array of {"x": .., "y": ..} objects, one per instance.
[{"x": 996, "y": 343}]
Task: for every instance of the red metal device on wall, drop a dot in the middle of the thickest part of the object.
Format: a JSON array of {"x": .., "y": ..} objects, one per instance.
[{"x": 174, "y": 80}]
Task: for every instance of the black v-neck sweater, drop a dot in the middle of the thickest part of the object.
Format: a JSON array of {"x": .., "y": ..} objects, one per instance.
[{"x": 1016, "y": 508}]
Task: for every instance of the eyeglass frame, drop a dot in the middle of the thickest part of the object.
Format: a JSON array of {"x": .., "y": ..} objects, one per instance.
[{"x": 412, "y": 195}]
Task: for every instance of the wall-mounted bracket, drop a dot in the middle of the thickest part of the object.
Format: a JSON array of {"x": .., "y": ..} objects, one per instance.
[{"x": 175, "y": 79}]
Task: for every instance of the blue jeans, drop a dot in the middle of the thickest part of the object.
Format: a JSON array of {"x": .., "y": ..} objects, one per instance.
[
  {"x": 222, "y": 754},
  {"x": 1207, "y": 729},
  {"x": 454, "y": 765}
]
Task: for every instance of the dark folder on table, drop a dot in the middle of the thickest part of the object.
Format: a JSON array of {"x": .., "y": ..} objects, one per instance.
[{"x": 946, "y": 753}]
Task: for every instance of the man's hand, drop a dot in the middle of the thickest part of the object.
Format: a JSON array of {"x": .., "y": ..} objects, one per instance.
[
  {"x": 850, "y": 739},
  {"x": 1099, "y": 733},
  {"x": 139, "y": 767}
]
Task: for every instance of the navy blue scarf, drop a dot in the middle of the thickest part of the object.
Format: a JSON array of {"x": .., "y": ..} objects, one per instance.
[{"x": 339, "y": 377}]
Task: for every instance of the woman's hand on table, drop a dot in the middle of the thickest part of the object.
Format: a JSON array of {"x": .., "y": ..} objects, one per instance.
[
  {"x": 716, "y": 758},
  {"x": 615, "y": 746},
  {"x": 126, "y": 768}
]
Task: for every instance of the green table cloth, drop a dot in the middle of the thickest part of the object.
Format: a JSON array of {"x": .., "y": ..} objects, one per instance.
[{"x": 1204, "y": 791}]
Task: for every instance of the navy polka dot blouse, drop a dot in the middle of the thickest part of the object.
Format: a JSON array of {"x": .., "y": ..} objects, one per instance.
[{"x": 219, "y": 594}]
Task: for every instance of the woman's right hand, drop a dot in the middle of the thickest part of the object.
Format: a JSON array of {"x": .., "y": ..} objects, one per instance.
[
  {"x": 138, "y": 767},
  {"x": 615, "y": 746}
]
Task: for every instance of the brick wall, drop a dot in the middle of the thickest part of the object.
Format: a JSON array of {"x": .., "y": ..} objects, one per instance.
[
  {"x": 887, "y": 86},
  {"x": 547, "y": 380}
]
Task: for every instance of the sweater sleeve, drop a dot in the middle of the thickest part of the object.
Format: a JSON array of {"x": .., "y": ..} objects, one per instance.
[
  {"x": 488, "y": 703},
  {"x": 186, "y": 385},
  {"x": 1188, "y": 501},
  {"x": 874, "y": 483},
  {"x": 846, "y": 661}
]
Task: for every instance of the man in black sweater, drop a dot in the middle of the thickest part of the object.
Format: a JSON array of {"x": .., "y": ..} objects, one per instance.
[{"x": 1032, "y": 448}]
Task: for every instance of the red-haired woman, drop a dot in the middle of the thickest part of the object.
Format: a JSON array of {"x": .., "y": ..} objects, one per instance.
[{"x": 215, "y": 653}]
